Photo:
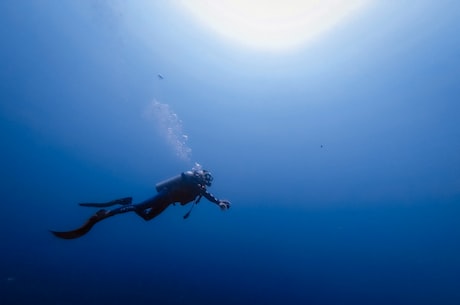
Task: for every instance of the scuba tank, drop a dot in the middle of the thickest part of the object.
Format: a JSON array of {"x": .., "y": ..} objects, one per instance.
[
  {"x": 168, "y": 183},
  {"x": 174, "y": 181}
]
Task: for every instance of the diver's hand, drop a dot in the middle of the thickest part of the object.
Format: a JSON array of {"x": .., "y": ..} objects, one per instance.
[{"x": 224, "y": 205}]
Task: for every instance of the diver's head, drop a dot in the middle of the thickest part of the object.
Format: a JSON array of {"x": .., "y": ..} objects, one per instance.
[{"x": 203, "y": 177}]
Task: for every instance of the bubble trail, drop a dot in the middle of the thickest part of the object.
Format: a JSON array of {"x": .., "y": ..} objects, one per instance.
[{"x": 170, "y": 127}]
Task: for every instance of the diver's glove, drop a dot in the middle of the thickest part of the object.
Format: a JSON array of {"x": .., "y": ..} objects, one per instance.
[{"x": 224, "y": 205}]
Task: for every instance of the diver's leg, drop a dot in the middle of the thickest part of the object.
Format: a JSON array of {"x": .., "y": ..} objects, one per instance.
[
  {"x": 152, "y": 207},
  {"x": 147, "y": 210},
  {"x": 152, "y": 212}
]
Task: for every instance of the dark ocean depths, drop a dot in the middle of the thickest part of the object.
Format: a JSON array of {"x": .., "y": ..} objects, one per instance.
[{"x": 341, "y": 159}]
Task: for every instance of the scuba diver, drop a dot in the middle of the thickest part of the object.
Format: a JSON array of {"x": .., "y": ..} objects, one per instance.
[{"x": 184, "y": 188}]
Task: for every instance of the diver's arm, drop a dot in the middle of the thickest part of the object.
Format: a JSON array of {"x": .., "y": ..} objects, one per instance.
[{"x": 223, "y": 204}]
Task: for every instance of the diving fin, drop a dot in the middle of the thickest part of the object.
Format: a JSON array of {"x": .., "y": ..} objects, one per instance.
[
  {"x": 85, "y": 228},
  {"x": 122, "y": 201}
]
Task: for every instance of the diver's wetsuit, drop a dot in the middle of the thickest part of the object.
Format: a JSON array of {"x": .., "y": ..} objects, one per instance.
[{"x": 182, "y": 189}]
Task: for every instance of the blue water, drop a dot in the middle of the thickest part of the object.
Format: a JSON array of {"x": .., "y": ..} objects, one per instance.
[{"x": 341, "y": 159}]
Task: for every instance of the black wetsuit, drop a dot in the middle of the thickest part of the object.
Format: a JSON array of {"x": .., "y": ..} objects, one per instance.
[
  {"x": 152, "y": 207},
  {"x": 184, "y": 191}
]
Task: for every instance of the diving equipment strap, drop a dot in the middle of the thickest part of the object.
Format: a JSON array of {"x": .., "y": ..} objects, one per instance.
[{"x": 194, "y": 203}]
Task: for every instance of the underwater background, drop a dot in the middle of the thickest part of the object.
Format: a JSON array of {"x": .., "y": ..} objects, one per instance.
[{"x": 341, "y": 158}]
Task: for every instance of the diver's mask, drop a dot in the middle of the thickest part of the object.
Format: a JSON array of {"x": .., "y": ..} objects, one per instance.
[{"x": 203, "y": 177}]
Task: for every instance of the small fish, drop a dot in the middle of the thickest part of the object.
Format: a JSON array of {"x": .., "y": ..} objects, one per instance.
[{"x": 160, "y": 76}]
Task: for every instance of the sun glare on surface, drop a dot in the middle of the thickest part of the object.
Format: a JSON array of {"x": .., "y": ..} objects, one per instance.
[{"x": 271, "y": 24}]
